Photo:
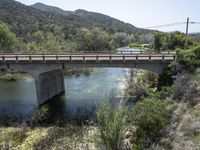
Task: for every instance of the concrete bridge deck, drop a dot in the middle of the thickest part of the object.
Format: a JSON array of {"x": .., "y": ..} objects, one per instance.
[{"x": 48, "y": 69}]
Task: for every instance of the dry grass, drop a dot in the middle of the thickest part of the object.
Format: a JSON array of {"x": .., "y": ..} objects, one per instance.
[{"x": 69, "y": 137}]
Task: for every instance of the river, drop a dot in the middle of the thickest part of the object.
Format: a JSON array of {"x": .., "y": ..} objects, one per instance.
[{"x": 82, "y": 94}]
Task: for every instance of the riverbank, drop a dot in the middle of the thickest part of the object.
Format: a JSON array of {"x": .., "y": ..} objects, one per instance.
[
  {"x": 12, "y": 75},
  {"x": 70, "y": 136},
  {"x": 181, "y": 133}
]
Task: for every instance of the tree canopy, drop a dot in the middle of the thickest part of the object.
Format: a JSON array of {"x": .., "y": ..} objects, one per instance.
[
  {"x": 8, "y": 40},
  {"x": 170, "y": 41}
]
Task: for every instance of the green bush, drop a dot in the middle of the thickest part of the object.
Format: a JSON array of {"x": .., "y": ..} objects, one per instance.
[
  {"x": 149, "y": 79},
  {"x": 135, "y": 88},
  {"x": 135, "y": 45},
  {"x": 150, "y": 115},
  {"x": 189, "y": 59},
  {"x": 110, "y": 120},
  {"x": 163, "y": 93},
  {"x": 168, "y": 75},
  {"x": 43, "y": 113}
]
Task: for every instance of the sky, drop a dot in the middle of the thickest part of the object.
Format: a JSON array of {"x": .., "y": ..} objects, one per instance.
[{"x": 140, "y": 13}]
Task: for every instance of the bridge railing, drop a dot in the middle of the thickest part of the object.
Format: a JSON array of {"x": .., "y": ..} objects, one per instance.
[
  {"x": 88, "y": 57},
  {"x": 118, "y": 52}
]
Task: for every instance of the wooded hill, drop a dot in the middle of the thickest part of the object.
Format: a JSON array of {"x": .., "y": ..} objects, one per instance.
[
  {"x": 106, "y": 22},
  {"x": 45, "y": 28}
]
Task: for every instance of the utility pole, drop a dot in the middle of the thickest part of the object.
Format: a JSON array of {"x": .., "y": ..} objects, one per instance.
[{"x": 186, "y": 34}]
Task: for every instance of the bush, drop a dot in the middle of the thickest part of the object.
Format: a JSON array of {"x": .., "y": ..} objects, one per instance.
[
  {"x": 149, "y": 79},
  {"x": 135, "y": 89},
  {"x": 163, "y": 93},
  {"x": 150, "y": 115},
  {"x": 110, "y": 122},
  {"x": 189, "y": 59},
  {"x": 186, "y": 88},
  {"x": 169, "y": 74}
]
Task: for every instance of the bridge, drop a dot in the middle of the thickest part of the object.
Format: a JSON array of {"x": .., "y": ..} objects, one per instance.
[{"x": 48, "y": 69}]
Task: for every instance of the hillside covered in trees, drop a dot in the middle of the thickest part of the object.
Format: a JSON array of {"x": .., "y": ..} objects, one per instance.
[
  {"x": 52, "y": 30},
  {"x": 108, "y": 23}
]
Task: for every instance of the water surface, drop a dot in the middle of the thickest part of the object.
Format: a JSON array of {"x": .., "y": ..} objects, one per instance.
[{"x": 82, "y": 93}]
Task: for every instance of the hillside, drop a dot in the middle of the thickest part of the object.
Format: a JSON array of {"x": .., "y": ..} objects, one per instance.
[
  {"x": 101, "y": 20},
  {"x": 22, "y": 19},
  {"x": 51, "y": 30},
  {"x": 52, "y": 9}
]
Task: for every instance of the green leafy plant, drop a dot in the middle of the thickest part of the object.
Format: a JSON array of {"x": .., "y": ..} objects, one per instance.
[
  {"x": 150, "y": 115},
  {"x": 189, "y": 59},
  {"x": 110, "y": 120}
]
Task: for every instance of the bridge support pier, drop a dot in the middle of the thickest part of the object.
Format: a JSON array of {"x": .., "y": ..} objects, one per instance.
[{"x": 48, "y": 85}]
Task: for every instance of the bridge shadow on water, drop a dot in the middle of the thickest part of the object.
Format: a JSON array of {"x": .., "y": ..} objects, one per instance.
[{"x": 55, "y": 112}]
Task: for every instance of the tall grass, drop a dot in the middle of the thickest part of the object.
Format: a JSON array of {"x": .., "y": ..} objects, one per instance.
[{"x": 110, "y": 120}]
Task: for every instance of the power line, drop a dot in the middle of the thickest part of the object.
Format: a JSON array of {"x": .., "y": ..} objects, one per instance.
[
  {"x": 171, "y": 24},
  {"x": 164, "y": 25},
  {"x": 195, "y": 22}
]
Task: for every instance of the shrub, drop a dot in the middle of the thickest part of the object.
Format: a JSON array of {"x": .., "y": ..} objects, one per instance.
[
  {"x": 190, "y": 59},
  {"x": 149, "y": 79},
  {"x": 163, "y": 93},
  {"x": 135, "y": 89},
  {"x": 150, "y": 115},
  {"x": 110, "y": 122},
  {"x": 168, "y": 75},
  {"x": 43, "y": 113},
  {"x": 186, "y": 88}
]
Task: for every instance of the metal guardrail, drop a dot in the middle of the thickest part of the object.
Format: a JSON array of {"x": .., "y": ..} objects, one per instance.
[
  {"x": 87, "y": 57},
  {"x": 119, "y": 52}
]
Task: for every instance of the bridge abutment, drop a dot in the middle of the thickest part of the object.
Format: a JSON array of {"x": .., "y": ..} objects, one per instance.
[{"x": 48, "y": 85}]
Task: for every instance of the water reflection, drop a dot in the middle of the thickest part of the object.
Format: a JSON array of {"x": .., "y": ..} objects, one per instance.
[{"x": 82, "y": 94}]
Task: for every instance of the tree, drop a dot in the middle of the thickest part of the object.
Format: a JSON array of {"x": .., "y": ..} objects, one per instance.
[
  {"x": 189, "y": 59},
  {"x": 177, "y": 40},
  {"x": 8, "y": 41},
  {"x": 94, "y": 40},
  {"x": 52, "y": 41},
  {"x": 122, "y": 39},
  {"x": 157, "y": 42},
  {"x": 172, "y": 41}
]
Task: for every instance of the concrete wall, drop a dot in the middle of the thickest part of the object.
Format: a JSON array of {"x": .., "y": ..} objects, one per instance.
[
  {"x": 48, "y": 85},
  {"x": 49, "y": 78}
]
